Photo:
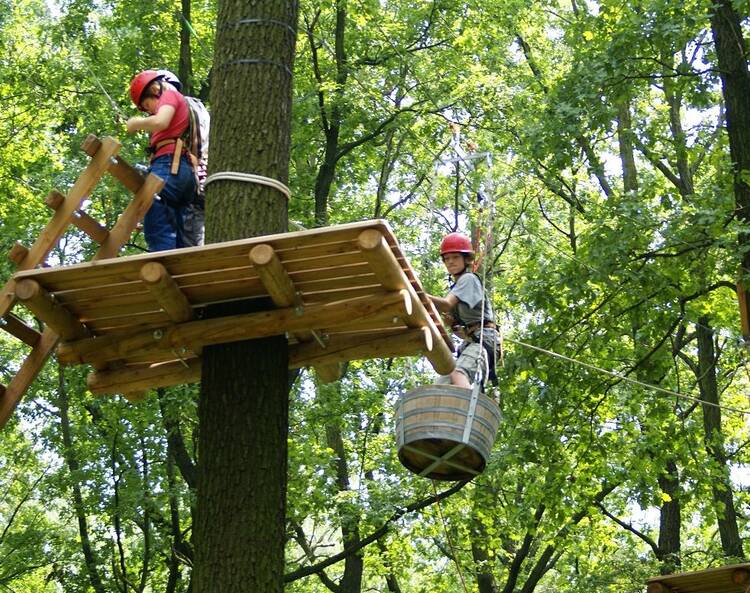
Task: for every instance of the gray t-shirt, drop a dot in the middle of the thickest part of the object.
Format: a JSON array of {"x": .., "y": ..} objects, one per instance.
[{"x": 469, "y": 292}]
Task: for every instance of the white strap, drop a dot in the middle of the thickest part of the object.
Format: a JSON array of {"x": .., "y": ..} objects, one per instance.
[{"x": 249, "y": 178}]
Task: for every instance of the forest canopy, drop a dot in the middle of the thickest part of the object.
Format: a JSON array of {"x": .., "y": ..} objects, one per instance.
[{"x": 596, "y": 152}]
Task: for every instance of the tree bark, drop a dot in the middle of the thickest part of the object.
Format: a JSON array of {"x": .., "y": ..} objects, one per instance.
[
  {"x": 731, "y": 54},
  {"x": 670, "y": 519},
  {"x": 239, "y": 530},
  {"x": 186, "y": 56},
  {"x": 721, "y": 485},
  {"x": 74, "y": 467}
]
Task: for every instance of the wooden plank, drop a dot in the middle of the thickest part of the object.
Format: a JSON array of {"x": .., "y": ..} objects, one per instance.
[
  {"x": 196, "y": 334},
  {"x": 194, "y": 259},
  {"x": 27, "y": 373},
  {"x": 17, "y": 328},
  {"x": 166, "y": 292},
  {"x": 128, "y": 220},
  {"x": 43, "y": 305}
]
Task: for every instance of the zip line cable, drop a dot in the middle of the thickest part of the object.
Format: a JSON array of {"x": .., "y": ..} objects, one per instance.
[{"x": 627, "y": 379}]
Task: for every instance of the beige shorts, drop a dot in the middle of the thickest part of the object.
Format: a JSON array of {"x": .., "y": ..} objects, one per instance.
[{"x": 472, "y": 355}]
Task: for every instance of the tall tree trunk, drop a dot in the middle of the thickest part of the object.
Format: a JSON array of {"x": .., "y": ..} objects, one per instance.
[
  {"x": 731, "y": 54},
  {"x": 186, "y": 56},
  {"x": 670, "y": 519},
  {"x": 74, "y": 467},
  {"x": 625, "y": 142},
  {"x": 243, "y": 412},
  {"x": 351, "y": 581},
  {"x": 721, "y": 485}
]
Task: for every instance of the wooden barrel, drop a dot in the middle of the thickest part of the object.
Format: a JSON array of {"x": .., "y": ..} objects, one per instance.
[{"x": 445, "y": 432}]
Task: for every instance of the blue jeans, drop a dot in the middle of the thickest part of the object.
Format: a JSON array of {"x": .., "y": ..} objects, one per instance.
[{"x": 162, "y": 225}]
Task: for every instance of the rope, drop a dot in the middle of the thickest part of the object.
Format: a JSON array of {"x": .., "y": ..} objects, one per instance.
[
  {"x": 629, "y": 379},
  {"x": 448, "y": 539},
  {"x": 249, "y": 178}
]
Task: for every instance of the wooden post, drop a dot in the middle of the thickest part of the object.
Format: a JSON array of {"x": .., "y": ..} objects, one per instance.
[
  {"x": 18, "y": 253},
  {"x": 387, "y": 269},
  {"x": 197, "y": 334},
  {"x": 25, "y": 376},
  {"x": 165, "y": 290},
  {"x": 44, "y": 306}
]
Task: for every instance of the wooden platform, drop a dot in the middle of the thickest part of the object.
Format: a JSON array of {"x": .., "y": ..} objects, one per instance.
[
  {"x": 340, "y": 293},
  {"x": 726, "y": 579}
]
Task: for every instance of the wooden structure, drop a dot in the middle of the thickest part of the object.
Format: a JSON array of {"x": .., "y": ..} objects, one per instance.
[
  {"x": 67, "y": 212},
  {"x": 444, "y": 432},
  {"x": 339, "y": 293},
  {"x": 726, "y": 579}
]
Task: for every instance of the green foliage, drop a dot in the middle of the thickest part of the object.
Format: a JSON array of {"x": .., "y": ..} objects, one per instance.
[{"x": 615, "y": 280}]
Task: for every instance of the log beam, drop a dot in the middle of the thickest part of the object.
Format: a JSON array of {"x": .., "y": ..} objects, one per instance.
[
  {"x": 386, "y": 268},
  {"x": 340, "y": 349},
  {"x": 166, "y": 292},
  {"x": 194, "y": 335},
  {"x": 45, "y": 307},
  {"x": 25, "y": 376},
  {"x": 14, "y": 326},
  {"x": 80, "y": 219},
  {"x": 130, "y": 217},
  {"x": 273, "y": 275},
  {"x": 126, "y": 174},
  {"x": 357, "y": 347},
  {"x": 283, "y": 293},
  {"x": 18, "y": 253},
  {"x": 137, "y": 379}
]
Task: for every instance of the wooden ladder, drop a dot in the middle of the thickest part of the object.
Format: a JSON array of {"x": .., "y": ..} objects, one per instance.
[{"x": 67, "y": 212}]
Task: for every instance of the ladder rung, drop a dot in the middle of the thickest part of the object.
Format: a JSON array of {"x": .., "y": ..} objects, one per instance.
[{"x": 14, "y": 326}]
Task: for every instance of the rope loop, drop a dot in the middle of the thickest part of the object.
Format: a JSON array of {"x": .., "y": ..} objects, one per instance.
[{"x": 249, "y": 178}]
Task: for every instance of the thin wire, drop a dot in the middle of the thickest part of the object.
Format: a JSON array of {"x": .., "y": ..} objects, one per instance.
[
  {"x": 448, "y": 539},
  {"x": 628, "y": 379},
  {"x": 727, "y": 334}
]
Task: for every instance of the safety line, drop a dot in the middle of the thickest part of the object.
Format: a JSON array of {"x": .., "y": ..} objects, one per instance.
[
  {"x": 628, "y": 379},
  {"x": 249, "y": 178}
]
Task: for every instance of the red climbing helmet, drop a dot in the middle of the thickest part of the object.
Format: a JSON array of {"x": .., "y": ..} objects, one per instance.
[
  {"x": 456, "y": 243},
  {"x": 140, "y": 83}
]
